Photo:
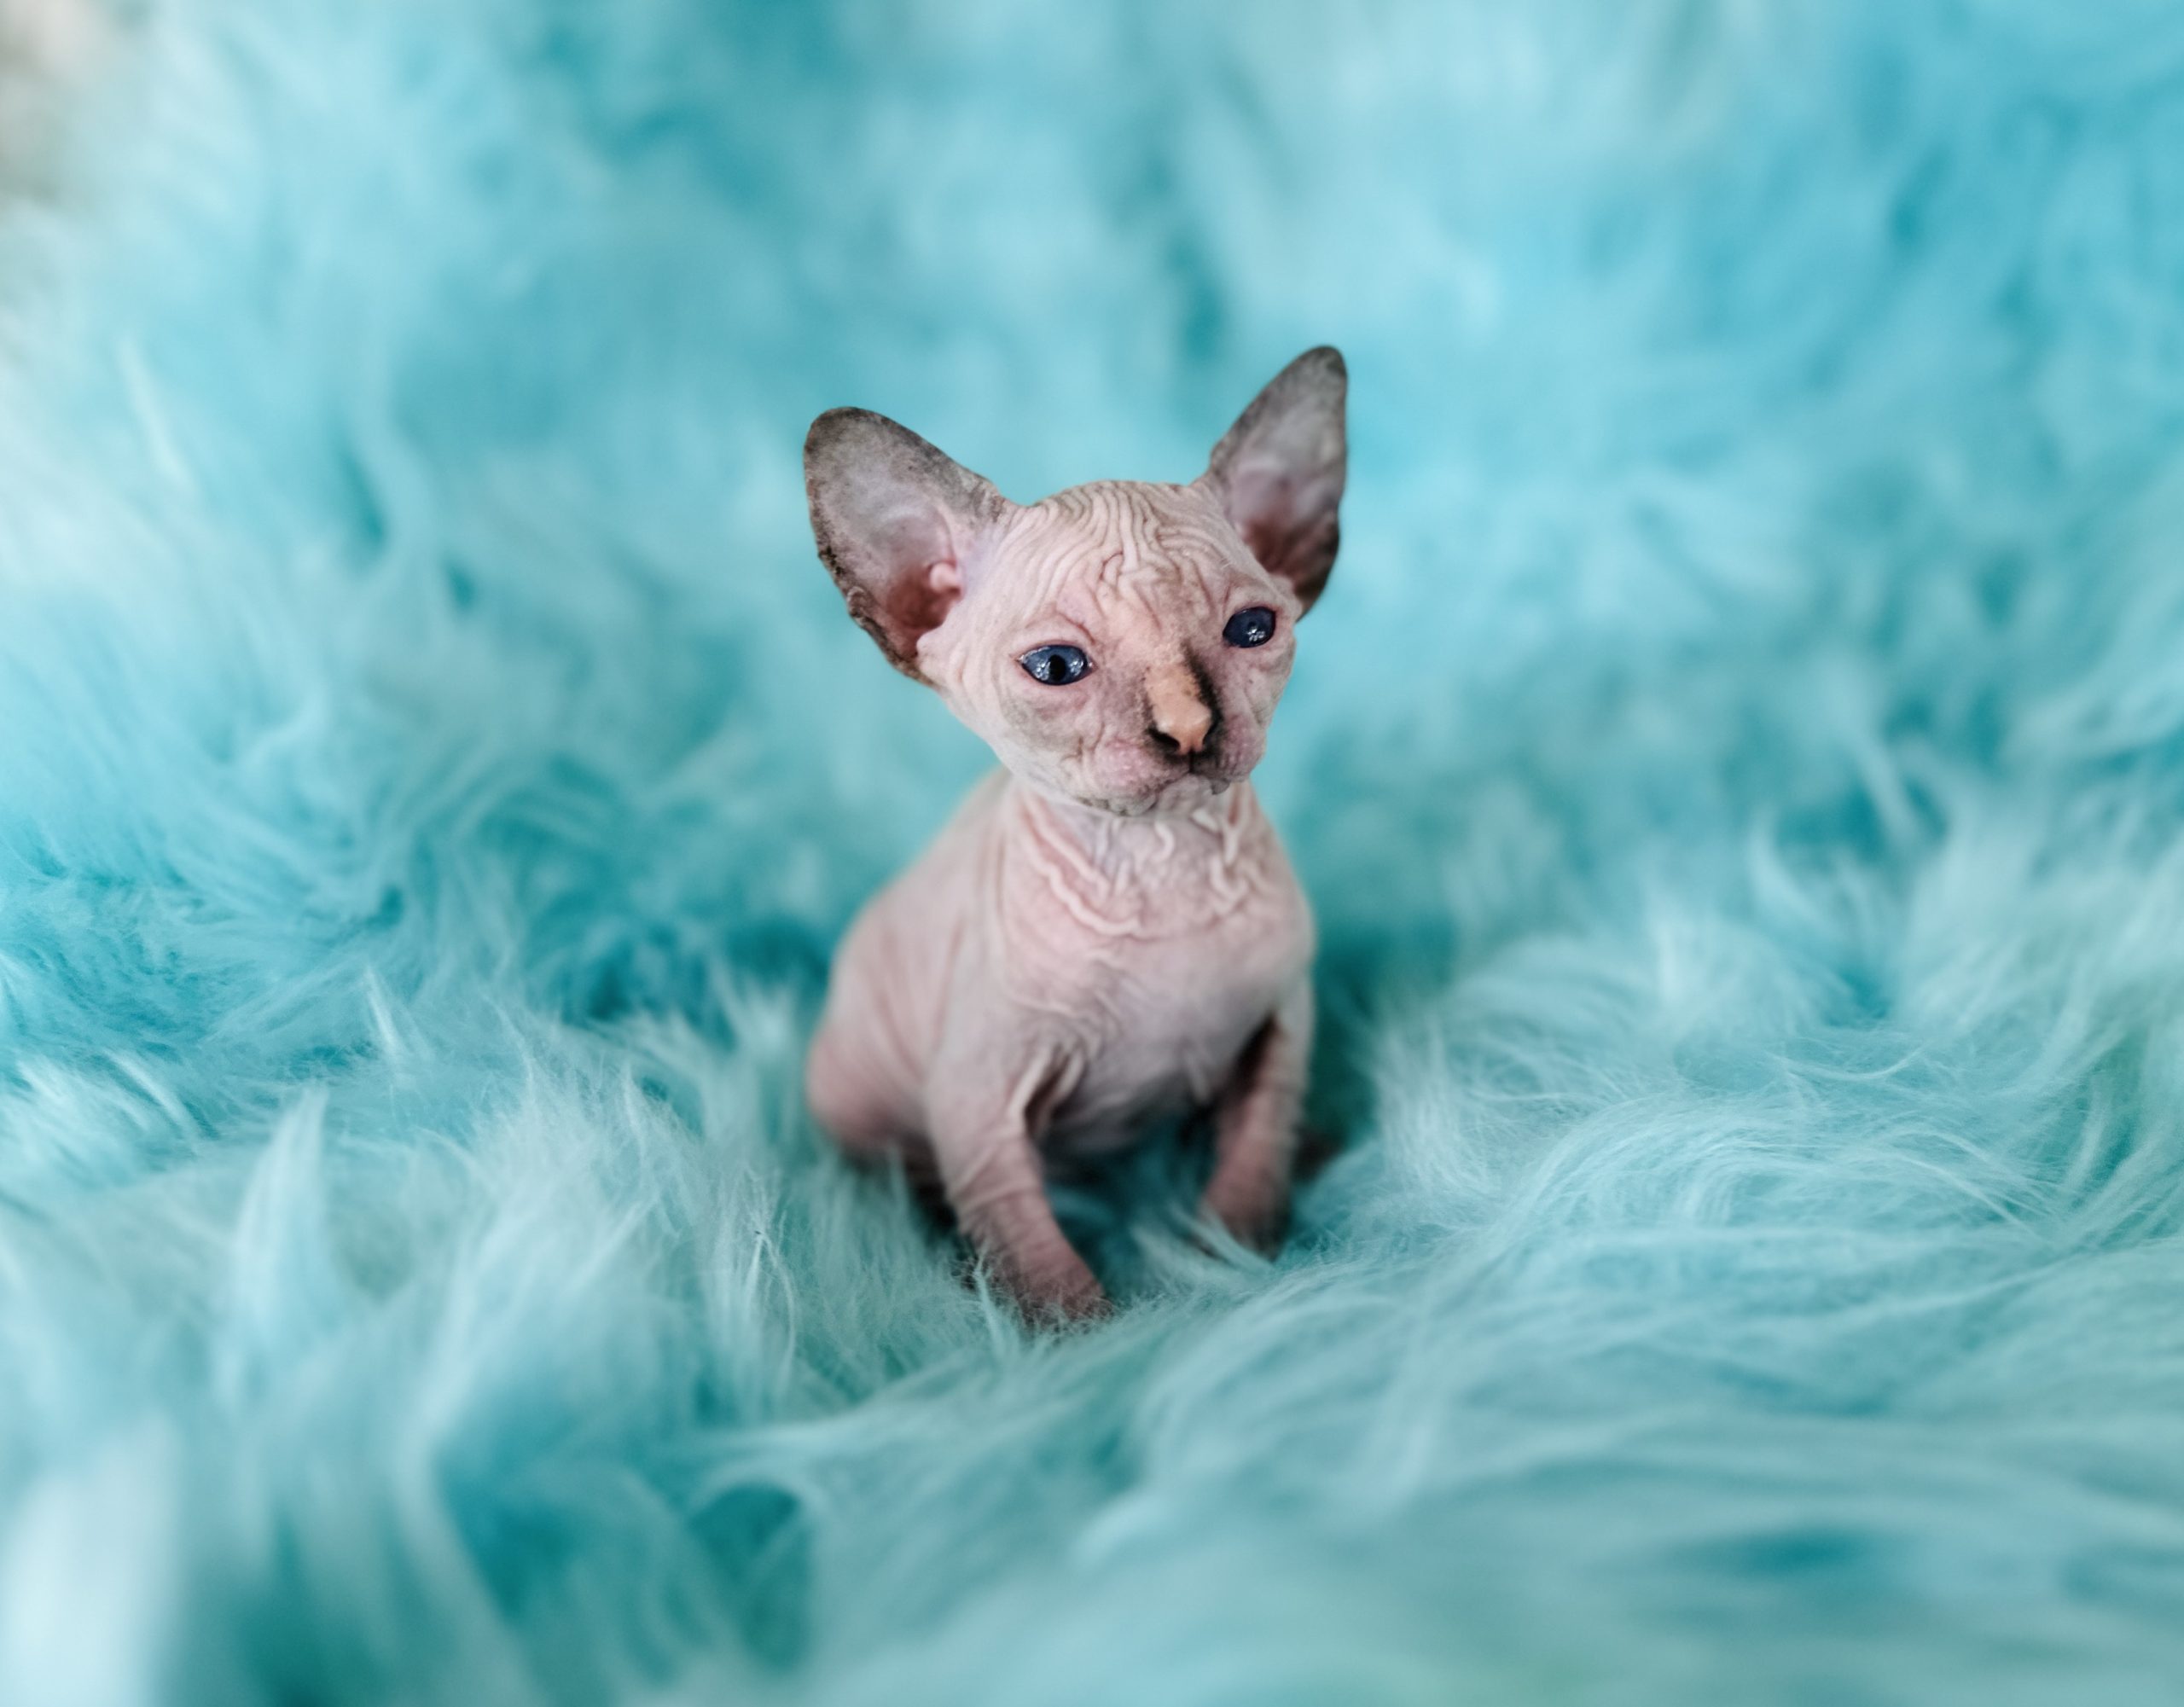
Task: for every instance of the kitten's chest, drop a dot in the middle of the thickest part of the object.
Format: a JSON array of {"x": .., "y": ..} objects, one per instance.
[
  {"x": 1152, "y": 983},
  {"x": 1176, "y": 1021}
]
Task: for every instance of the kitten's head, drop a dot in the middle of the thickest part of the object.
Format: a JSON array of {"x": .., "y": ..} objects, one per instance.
[{"x": 1121, "y": 644}]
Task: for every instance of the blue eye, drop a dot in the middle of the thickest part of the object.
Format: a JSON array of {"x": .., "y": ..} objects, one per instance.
[
  {"x": 1253, "y": 627},
  {"x": 1055, "y": 665}
]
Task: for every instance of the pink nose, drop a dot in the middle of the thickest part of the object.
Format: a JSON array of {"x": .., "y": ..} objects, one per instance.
[{"x": 1182, "y": 719}]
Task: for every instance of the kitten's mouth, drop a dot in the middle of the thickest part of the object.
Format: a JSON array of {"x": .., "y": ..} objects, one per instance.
[
  {"x": 1184, "y": 792},
  {"x": 1182, "y": 786}
]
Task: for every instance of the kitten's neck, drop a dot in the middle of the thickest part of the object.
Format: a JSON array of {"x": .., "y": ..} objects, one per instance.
[{"x": 1179, "y": 866}]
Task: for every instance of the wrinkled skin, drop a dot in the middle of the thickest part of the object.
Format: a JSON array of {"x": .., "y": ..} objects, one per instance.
[{"x": 1108, "y": 930}]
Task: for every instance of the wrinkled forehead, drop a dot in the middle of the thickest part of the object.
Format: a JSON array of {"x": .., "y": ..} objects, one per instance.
[{"x": 1125, "y": 543}]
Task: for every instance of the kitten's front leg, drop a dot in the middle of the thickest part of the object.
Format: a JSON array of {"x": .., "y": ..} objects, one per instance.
[
  {"x": 1255, "y": 1126},
  {"x": 986, "y": 1138}
]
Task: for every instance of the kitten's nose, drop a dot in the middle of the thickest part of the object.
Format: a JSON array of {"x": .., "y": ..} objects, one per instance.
[{"x": 1181, "y": 718}]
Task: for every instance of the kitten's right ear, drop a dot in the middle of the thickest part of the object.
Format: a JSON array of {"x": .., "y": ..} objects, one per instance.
[{"x": 895, "y": 519}]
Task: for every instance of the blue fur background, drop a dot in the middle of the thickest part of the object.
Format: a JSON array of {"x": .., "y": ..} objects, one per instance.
[{"x": 1738, "y": 764}]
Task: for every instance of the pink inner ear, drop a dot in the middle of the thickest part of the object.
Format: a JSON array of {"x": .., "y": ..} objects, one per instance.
[
  {"x": 1264, "y": 501},
  {"x": 1287, "y": 519},
  {"x": 917, "y": 603},
  {"x": 923, "y": 581}
]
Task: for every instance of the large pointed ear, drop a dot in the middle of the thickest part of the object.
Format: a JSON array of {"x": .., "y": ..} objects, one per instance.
[
  {"x": 894, "y": 518},
  {"x": 1278, "y": 472}
]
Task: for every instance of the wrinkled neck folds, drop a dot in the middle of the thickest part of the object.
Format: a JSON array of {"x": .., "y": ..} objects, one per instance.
[{"x": 1139, "y": 876}]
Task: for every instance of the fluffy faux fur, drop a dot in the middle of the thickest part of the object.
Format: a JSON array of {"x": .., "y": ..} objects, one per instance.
[{"x": 1739, "y": 768}]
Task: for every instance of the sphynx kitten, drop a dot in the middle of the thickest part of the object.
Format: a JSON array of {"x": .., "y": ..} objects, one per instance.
[{"x": 1108, "y": 928}]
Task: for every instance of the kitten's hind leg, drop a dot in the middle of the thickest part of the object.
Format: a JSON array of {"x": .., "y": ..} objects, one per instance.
[{"x": 1255, "y": 1127}]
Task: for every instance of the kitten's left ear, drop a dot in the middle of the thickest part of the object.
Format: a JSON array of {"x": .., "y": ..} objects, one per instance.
[{"x": 1278, "y": 472}]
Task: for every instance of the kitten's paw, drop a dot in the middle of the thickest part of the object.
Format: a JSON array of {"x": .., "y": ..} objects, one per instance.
[
  {"x": 1057, "y": 1293},
  {"x": 1256, "y": 1219}
]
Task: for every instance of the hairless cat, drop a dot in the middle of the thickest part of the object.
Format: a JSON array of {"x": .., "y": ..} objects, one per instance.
[{"x": 1108, "y": 929}]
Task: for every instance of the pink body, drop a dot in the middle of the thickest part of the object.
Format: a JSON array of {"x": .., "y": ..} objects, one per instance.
[{"x": 1109, "y": 929}]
